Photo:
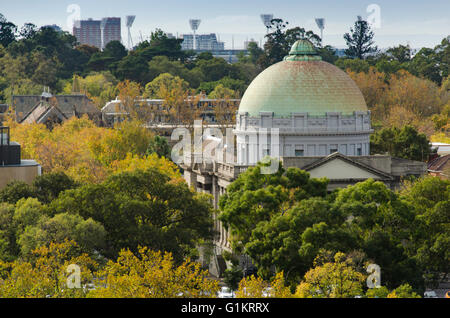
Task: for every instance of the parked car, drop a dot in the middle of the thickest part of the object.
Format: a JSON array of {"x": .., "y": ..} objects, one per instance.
[
  {"x": 226, "y": 292},
  {"x": 430, "y": 294}
]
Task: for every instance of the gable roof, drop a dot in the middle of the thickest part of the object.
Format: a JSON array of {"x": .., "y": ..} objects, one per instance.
[
  {"x": 41, "y": 112},
  {"x": 339, "y": 173},
  {"x": 439, "y": 163},
  {"x": 24, "y": 104}
]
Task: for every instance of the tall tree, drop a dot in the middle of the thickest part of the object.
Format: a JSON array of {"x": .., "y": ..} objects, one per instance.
[
  {"x": 404, "y": 143},
  {"x": 7, "y": 31},
  {"x": 360, "y": 40},
  {"x": 279, "y": 41}
]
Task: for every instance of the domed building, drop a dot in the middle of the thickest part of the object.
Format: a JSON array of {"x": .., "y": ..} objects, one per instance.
[
  {"x": 316, "y": 106},
  {"x": 308, "y": 114}
]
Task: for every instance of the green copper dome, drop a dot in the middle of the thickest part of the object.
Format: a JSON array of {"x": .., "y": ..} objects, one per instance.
[
  {"x": 303, "y": 50},
  {"x": 302, "y": 83}
]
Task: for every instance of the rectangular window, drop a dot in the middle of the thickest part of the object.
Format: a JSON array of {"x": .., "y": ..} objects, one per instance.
[
  {"x": 359, "y": 151},
  {"x": 333, "y": 148},
  {"x": 299, "y": 152}
]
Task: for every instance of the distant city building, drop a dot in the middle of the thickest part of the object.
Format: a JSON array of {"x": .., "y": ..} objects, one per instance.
[
  {"x": 111, "y": 31},
  {"x": 207, "y": 42},
  {"x": 88, "y": 32}
]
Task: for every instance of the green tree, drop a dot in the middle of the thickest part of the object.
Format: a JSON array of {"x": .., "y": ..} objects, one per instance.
[
  {"x": 153, "y": 89},
  {"x": 142, "y": 207},
  {"x": 337, "y": 279},
  {"x": 89, "y": 235},
  {"x": 7, "y": 31},
  {"x": 161, "y": 45},
  {"x": 132, "y": 67},
  {"x": 401, "y": 53},
  {"x": 232, "y": 276},
  {"x": 8, "y": 246},
  {"x": 403, "y": 291},
  {"x": 160, "y": 146},
  {"x": 404, "y": 143},
  {"x": 291, "y": 241},
  {"x": 254, "y": 197},
  {"x": 328, "y": 54},
  {"x": 430, "y": 197},
  {"x": 279, "y": 42},
  {"x": 384, "y": 225},
  {"x": 360, "y": 40},
  {"x": 48, "y": 186},
  {"x": 355, "y": 65},
  {"x": 14, "y": 191},
  {"x": 432, "y": 64},
  {"x": 116, "y": 50},
  {"x": 28, "y": 30}
]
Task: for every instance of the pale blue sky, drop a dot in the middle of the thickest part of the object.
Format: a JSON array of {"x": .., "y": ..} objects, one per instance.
[{"x": 418, "y": 22}]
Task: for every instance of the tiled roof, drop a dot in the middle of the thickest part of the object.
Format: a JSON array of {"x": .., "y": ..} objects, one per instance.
[{"x": 439, "y": 163}]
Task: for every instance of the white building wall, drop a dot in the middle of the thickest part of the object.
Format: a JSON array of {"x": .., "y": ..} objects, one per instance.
[{"x": 301, "y": 135}]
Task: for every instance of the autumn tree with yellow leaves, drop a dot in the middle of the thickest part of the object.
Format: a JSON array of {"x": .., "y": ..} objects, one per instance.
[
  {"x": 337, "y": 279},
  {"x": 86, "y": 152},
  {"x": 46, "y": 273},
  {"x": 151, "y": 274}
]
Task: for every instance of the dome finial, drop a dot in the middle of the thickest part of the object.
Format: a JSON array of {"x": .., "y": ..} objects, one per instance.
[{"x": 303, "y": 50}]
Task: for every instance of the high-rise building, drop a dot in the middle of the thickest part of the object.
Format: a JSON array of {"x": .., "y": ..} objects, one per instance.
[
  {"x": 206, "y": 42},
  {"x": 88, "y": 32},
  {"x": 111, "y": 30}
]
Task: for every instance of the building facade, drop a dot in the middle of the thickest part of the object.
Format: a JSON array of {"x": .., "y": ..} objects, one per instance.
[
  {"x": 203, "y": 42},
  {"x": 88, "y": 32},
  {"x": 154, "y": 111},
  {"x": 98, "y": 33},
  {"x": 111, "y": 30},
  {"x": 308, "y": 114},
  {"x": 50, "y": 109}
]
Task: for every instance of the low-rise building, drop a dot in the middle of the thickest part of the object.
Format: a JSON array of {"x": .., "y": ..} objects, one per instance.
[
  {"x": 308, "y": 114},
  {"x": 12, "y": 167},
  {"x": 49, "y": 109}
]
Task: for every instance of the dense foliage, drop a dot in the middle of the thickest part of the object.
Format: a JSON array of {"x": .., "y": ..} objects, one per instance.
[{"x": 284, "y": 221}]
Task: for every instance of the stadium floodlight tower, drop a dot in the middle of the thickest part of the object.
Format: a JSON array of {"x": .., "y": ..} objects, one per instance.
[
  {"x": 267, "y": 20},
  {"x": 194, "y": 23},
  {"x": 129, "y": 23},
  {"x": 321, "y": 24}
]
